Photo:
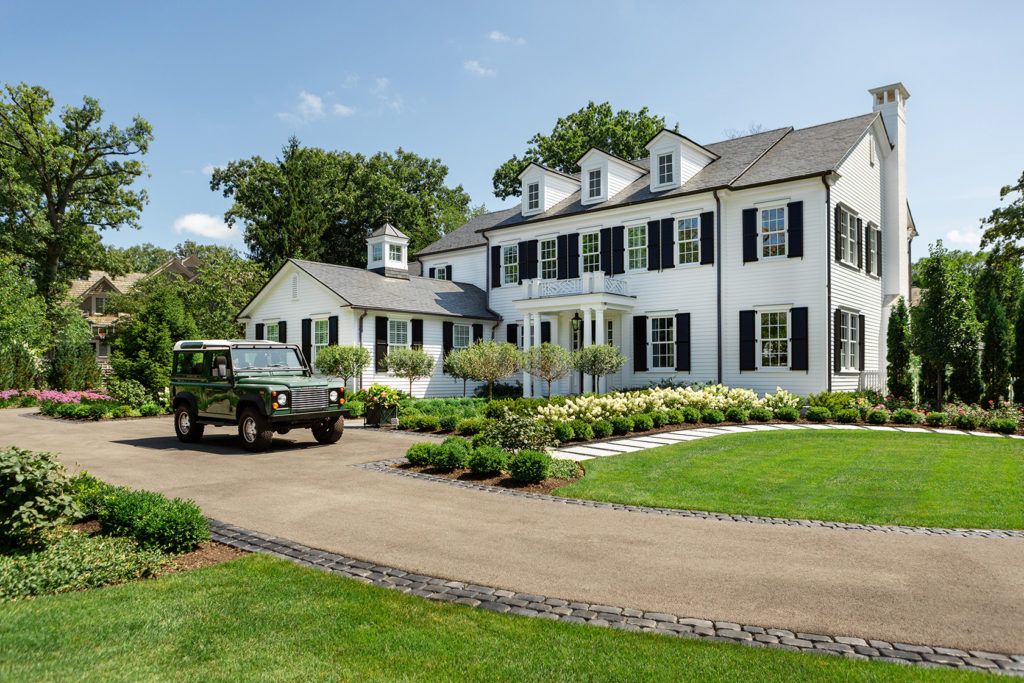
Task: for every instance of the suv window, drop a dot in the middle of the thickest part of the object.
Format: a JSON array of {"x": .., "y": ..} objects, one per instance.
[{"x": 190, "y": 363}]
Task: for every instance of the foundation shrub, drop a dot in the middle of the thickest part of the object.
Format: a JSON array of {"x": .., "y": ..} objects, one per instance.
[
  {"x": 850, "y": 415},
  {"x": 564, "y": 432},
  {"x": 153, "y": 520},
  {"x": 583, "y": 431},
  {"x": 529, "y": 467},
  {"x": 488, "y": 460},
  {"x": 760, "y": 414},
  {"x": 602, "y": 429},
  {"x": 643, "y": 422},
  {"x": 819, "y": 414},
  {"x": 879, "y": 416},
  {"x": 787, "y": 414},
  {"x": 735, "y": 414},
  {"x": 712, "y": 417}
]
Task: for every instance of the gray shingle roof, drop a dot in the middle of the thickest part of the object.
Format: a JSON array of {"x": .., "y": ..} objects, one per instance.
[
  {"x": 364, "y": 289},
  {"x": 388, "y": 229},
  {"x": 467, "y": 235}
]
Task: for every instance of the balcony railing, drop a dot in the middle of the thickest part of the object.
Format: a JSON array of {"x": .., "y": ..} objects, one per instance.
[{"x": 589, "y": 283}]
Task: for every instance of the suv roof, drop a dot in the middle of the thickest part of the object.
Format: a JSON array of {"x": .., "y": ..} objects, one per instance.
[{"x": 199, "y": 344}]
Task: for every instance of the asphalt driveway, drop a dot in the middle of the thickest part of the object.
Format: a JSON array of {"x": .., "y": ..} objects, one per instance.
[{"x": 961, "y": 592}]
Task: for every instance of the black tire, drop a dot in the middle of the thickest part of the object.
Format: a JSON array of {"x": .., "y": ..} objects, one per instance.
[
  {"x": 329, "y": 431},
  {"x": 186, "y": 426},
  {"x": 254, "y": 430}
]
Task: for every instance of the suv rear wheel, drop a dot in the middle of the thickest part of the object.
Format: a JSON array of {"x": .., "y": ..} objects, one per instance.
[
  {"x": 329, "y": 430},
  {"x": 254, "y": 430},
  {"x": 186, "y": 426}
]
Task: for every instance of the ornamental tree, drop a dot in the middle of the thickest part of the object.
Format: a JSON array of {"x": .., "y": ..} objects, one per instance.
[
  {"x": 456, "y": 364},
  {"x": 898, "y": 354},
  {"x": 489, "y": 361},
  {"x": 598, "y": 360},
  {"x": 345, "y": 362},
  {"x": 547, "y": 362},
  {"x": 411, "y": 364}
]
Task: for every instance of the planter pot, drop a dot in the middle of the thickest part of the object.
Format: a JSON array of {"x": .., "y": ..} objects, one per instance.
[{"x": 377, "y": 416}]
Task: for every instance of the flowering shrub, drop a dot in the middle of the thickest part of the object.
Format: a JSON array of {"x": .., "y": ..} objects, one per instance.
[
  {"x": 781, "y": 399},
  {"x": 32, "y": 397},
  {"x": 382, "y": 396},
  {"x": 656, "y": 399}
]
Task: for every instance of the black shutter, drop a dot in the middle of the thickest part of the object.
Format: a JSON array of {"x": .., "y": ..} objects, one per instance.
[
  {"x": 683, "y": 342},
  {"x": 478, "y": 331},
  {"x": 795, "y": 231},
  {"x": 512, "y": 334},
  {"x": 878, "y": 251},
  {"x": 639, "y": 343},
  {"x": 417, "y": 333},
  {"x": 839, "y": 234},
  {"x": 606, "y": 250},
  {"x": 860, "y": 342},
  {"x": 574, "y": 255},
  {"x": 668, "y": 243},
  {"x": 562, "y": 245},
  {"x": 618, "y": 249},
  {"x": 837, "y": 341},
  {"x": 798, "y": 352},
  {"x": 447, "y": 337},
  {"x": 432, "y": 273},
  {"x": 259, "y": 330},
  {"x": 332, "y": 330},
  {"x": 495, "y": 266},
  {"x": 860, "y": 243},
  {"x": 869, "y": 241},
  {"x": 545, "y": 331},
  {"x": 748, "y": 342},
  {"x": 307, "y": 339},
  {"x": 380, "y": 343},
  {"x": 653, "y": 245},
  {"x": 749, "y": 235},
  {"x": 707, "y": 237},
  {"x": 282, "y": 331},
  {"x": 531, "y": 259},
  {"x": 448, "y": 272}
]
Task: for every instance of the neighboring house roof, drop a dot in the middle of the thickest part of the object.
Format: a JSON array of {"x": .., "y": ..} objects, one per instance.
[
  {"x": 468, "y": 235},
  {"x": 80, "y": 288},
  {"x": 364, "y": 289}
]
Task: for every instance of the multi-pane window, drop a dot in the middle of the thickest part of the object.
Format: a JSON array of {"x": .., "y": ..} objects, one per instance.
[
  {"x": 462, "y": 335},
  {"x": 395, "y": 252},
  {"x": 99, "y": 305},
  {"x": 321, "y": 337},
  {"x": 398, "y": 333},
  {"x": 610, "y": 335},
  {"x": 591, "y": 252},
  {"x": 533, "y": 196},
  {"x": 773, "y": 232},
  {"x": 594, "y": 183},
  {"x": 510, "y": 264},
  {"x": 849, "y": 236},
  {"x": 775, "y": 339},
  {"x": 663, "y": 341},
  {"x": 689, "y": 240},
  {"x": 549, "y": 259},
  {"x": 665, "y": 170},
  {"x": 850, "y": 339},
  {"x": 378, "y": 252},
  {"x": 270, "y": 332},
  {"x": 636, "y": 247},
  {"x": 441, "y": 273},
  {"x": 871, "y": 236}
]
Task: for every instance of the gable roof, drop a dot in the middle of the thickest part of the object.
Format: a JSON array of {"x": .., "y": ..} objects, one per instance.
[
  {"x": 468, "y": 235},
  {"x": 121, "y": 285},
  {"x": 389, "y": 230}
]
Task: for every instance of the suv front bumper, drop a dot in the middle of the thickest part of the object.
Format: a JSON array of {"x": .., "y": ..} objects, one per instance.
[{"x": 301, "y": 418}]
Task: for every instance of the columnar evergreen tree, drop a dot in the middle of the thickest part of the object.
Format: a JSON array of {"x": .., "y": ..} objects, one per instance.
[
  {"x": 997, "y": 352},
  {"x": 899, "y": 351},
  {"x": 1018, "y": 352}
]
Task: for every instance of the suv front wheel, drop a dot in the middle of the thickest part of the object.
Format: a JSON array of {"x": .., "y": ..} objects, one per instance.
[
  {"x": 186, "y": 426},
  {"x": 329, "y": 430},
  {"x": 254, "y": 430}
]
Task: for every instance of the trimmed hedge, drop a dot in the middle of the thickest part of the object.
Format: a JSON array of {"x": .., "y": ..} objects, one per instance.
[
  {"x": 736, "y": 414},
  {"x": 564, "y": 432},
  {"x": 488, "y": 460},
  {"x": 621, "y": 424},
  {"x": 712, "y": 416},
  {"x": 819, "y": 414},
  {"x": 154, "y": 521},
  {"x": 453, "y": 454},
  {"x": 421, "y": 454},
  {"x": 760, "y": 414},
  {"x": 1003, "y": 425},
  {"x": 582, "y": 431},
  {"x": 602, "y": 429},
  {"x": 848, "y": 415},
  {"x": 529, "y": 467},
  {"x": 787, "y": 414}
]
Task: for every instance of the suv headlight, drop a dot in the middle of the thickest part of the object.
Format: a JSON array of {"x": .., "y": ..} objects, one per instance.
[
  {"x": 280, "y": 399},
  {"x": 333, "y": 396}
]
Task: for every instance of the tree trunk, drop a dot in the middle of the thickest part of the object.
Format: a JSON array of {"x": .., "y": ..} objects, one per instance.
[
  {"x": 490, "y": 391},
  {"x": 463, "y": 388}
]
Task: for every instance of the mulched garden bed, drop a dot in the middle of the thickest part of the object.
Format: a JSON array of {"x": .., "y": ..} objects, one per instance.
[{"x": 502, "y": 481}]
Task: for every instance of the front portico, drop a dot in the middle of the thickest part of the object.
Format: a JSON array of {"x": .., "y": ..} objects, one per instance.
[{"x": 577, "y": 312}]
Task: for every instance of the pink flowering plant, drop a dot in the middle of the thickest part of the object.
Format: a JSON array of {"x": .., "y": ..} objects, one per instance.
[{"x": 382, "y": 396}]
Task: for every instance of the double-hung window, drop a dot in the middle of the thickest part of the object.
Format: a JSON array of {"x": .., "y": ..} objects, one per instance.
[
  {"x": 663, "y": 343},
  {"x": 510, "y": 264},
  {"x": 441, "y": 273},
  {"x": 395, "y": 252},
  {"x": 689, "y": 240},
  {"x": 590, "y": 250},
  {"x": 849, "y": 236},
  {"x": 270, "y": 332},
  {"x": 610, "y": 336},
  {"x": 636, "y": 247},
  {"x": 773, "y": 232},
  {"x": 666, "y": 173},
  {"x": 871, "y": 236},
  {"x": 99, "y": 305},
  {"x": 398, "y": 333},
  {"x": 533, "y": 196},
  {"x": 378, "y": 252},
  {"x": 462, "y": 335},
  {"x": 321, "y": 337},
  {"x": 775, "y": 339},
  {"x": 850, "y": 340},
  {"x": 549, "y": 259},
  {"x": 594, "y": 183}
]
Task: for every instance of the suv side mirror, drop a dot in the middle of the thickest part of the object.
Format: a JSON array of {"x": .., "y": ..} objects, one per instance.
[{"x": 221, "y": 367}]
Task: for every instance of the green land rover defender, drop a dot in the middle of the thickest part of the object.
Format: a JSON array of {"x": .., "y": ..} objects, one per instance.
[{"x": 262, "y": 387}]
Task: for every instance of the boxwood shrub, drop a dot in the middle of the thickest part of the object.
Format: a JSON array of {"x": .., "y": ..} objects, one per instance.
[
  {"x": 448, "y": 422},
  {"x": 787, "y": 414},
  {"x": 760, "y": 414},
  {"x": 659, "y": 417},
  {"x": 602, "y": 429},
  {"x": 1003, "y": 425},
  {"x": 564, "y": 431},
  {"x": 452, "y": 454},
  {"x": 153, "y": 520},
  {"x": 581, "y": 430},
  {"x": 428, "y": 423},
  {"x": 819, "y": 414},
  {"x": 621, "y": 424},
  {"x": 936, "y": 419},
  {"x": 849, "y": 415},
  {"x": 969, "y": 421},
  {"x": 906, "y": 416},
  {"x": 643, "y": 422},
  {"x": 736, "y": 414},
  {"x": 529, "y": 467},
  {"x": 421, "y": 454},
  {"x": 712, "y": 416},
  {"x": 409, "y": 421},
  {"x": 691, "y": 415},
  {"x": 470, "y": 426},
  {"x": 878, "y": 417},
  {"x": 488, "y": 460},
  {"x": 675, "y": 416}
]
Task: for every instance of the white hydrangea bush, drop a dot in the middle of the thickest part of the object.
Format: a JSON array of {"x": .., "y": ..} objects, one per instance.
[{"x": 781, "y": 399}]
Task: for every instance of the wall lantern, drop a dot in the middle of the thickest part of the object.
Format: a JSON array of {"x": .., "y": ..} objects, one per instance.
[{"x": 577, "y": 321}]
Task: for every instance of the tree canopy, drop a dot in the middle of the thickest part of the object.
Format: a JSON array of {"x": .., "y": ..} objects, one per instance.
[
  {"x": 1004, "y": 229},
  {"x": 322, "y": 205},
  {"x": 622, "y": 133}
]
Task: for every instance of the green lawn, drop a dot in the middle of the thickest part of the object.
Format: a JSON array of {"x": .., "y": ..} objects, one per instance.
[
  {"x": 870, "y": 477},
  {"x": 259, "y": 618}
]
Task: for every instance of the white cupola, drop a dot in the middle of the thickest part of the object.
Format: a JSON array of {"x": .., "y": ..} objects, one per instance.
[
  {"x": 604, "y": 175},
  {"x": 542, "y": 188},
  {"x": 387, "y": 252},
  {"x": 675, "y": 159}
]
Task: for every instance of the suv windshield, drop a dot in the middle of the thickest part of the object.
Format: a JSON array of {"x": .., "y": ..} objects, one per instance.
[{"x": 266, "y": 359}]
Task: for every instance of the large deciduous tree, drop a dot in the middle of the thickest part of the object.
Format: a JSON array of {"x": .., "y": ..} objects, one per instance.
[
  {"x": 1004, "y": 227},
  {"x": 63, "y": 179},
  {"x": 622, "y": 133}
]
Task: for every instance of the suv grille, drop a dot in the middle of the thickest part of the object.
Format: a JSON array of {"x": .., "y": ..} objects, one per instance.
[{"x": 309, "y": 399}]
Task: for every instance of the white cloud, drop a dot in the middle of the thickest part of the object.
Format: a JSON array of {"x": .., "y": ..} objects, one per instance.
[
  {"x": 477, "y": 69},
  {"x": 970, "y": 238},
  {"x": 204, "y": 225},
  {"x": 390, "y": 99},
  {"x": 208, "y": 169},
  {"x": 311, "y": 107},
  {"x": 499, "y": 37},
  {"x": 342, "y": 110}
]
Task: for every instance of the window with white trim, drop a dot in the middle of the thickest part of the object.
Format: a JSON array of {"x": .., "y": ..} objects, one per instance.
[
  {"x": 99, "y": 305},
  {"x": 590, "y": 251},
  {"x": 666, "y": 173},
  {"x": 441, "y": 273},
  {"x": 663, "y": 342},
  {"x": 270, "y": 332},
  {"x": 774, "y": 339},
  {"x": 594, "y": 183},
  {"x": 321, "y": 337},
  {"x": 533, "y": 196},
  {"x": 610, "y": 335},
  {"x": 689, "y": 240},
  {"x": 849, "y": 235},
  {"x": 377, "y": 253},
  {"x": 549, "y": 259},
  {"x": 462, "y": 335},
  {"x": 510, "y": 264},
  {"x": 871, "y": 236},
  {"x": 395, "y": 252},
  {"x": 850, "y": 340},
  {"x": 773, "y": 232},
  {"x": 636, "y": 247},
  {"x": 398, "y": 332}
]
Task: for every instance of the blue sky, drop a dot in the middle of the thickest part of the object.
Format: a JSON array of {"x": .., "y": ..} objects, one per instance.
[{"x": 471, "y": 82}]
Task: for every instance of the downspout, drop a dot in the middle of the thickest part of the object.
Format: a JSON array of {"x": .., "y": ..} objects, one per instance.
[
  {"x": 718, "y": 276},
  {"x": 359, "y": 384},
  {"x": 828, "y": 280}
]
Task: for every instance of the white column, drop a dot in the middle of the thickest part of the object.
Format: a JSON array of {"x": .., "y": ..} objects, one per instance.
[
  {"x": 599, "y": 319},
  {"x": 527, "y": 378},
  {"x": 588, "y": 340}
]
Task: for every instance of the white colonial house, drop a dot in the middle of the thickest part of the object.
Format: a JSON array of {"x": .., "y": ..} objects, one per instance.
[{"x": 761, "y": 261}]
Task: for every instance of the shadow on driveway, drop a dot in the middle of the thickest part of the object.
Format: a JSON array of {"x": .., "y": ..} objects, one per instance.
[{"x": 225, "y": 444}]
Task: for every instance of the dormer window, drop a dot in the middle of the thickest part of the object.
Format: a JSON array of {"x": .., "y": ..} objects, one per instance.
[
  {"x": 378, "y": 252},
  {"x": 594, "y": 183},
  {"x": 533, "y": 196},
  {"x": 666, "y": 174},
  {"x": 395, "y": 252}
]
